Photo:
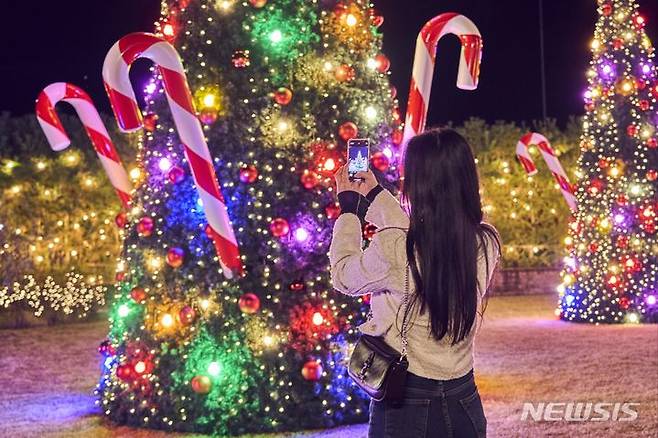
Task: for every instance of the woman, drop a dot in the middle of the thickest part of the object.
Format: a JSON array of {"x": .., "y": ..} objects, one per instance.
[{"x": 447, "y": 255}]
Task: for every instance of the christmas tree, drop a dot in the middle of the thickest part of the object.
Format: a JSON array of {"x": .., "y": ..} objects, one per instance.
[
  {"x": 611, "y": 273},
  {"x": 280, "y": 87}
]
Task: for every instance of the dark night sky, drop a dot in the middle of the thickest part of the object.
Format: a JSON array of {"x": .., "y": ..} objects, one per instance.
[{"x": 48, "y": 41}]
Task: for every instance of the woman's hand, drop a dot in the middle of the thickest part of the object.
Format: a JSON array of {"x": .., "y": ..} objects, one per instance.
[{"x": 363, "y": 185}]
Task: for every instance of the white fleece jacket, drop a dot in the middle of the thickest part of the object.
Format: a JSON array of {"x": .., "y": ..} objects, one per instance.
[{"x": 380, "y": 271}]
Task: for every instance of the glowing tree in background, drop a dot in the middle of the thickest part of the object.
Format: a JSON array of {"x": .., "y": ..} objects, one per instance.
[
  {"x": 610, "y": 275},
  {"x": 279, "y": 86}
]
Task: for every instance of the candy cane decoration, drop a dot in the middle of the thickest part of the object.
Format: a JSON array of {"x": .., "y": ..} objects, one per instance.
[
  {"x": 425, "y": 60},
  {"x": 84, "y": 107},
  {"x": 551, "y": 160},
  {"x": 124, "y": 103}
]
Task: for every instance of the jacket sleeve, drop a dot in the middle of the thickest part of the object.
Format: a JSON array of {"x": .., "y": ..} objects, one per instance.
[
  {"x": 385, "y": 211},
  {"x": 358, "y": 272}
]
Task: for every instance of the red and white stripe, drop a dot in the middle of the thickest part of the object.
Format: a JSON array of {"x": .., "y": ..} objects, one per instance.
[
  {"x": 425, "y": 60},
  {"x": 124, "y": 103},
  {"x": 84, "y": 107},
  {"x": 551, "y": 160}
]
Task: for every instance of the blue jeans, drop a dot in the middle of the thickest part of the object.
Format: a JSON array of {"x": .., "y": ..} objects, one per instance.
[{"x": 431, "y": 408}]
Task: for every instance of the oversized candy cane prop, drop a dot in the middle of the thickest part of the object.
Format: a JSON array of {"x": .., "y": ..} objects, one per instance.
[
  {"x": 122, "y": 97},
  {"x": 425, "y": 60},
  {"x": 84, "y": 107},
  {"x": 551, "y": 160}
]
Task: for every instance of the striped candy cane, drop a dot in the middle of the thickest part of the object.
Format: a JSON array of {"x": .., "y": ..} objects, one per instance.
[
  {"x": 551, "y": 160},
  {"x": 425, "y": 59},
  {"x": 122, "y": 97},
  {"x": 84, "y": 107}
]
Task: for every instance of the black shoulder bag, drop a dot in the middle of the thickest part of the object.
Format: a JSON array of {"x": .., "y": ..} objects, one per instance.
[{"x": 378, "y": 368}]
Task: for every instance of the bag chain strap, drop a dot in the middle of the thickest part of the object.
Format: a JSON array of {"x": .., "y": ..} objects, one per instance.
[{"x": 405, "y": 304}]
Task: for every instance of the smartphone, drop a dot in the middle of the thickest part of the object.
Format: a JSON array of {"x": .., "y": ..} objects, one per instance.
[{"x": 358, "y": 156}]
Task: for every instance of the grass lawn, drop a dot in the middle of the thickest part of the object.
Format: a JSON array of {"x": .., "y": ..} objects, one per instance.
[{"x": 523, "y": 354}]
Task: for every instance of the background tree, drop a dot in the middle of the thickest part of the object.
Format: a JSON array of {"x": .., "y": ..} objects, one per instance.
[{"x": 610, "y": 275}]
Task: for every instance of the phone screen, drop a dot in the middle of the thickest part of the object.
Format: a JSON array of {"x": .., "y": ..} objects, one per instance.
[{"x": 358, "y": 151}]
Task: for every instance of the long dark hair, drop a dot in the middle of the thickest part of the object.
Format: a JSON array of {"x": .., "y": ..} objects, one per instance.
[{"x": 442, "y": 194}]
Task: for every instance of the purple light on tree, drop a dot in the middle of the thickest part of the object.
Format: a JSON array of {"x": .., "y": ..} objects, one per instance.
[{"x": 301, "y": 234}]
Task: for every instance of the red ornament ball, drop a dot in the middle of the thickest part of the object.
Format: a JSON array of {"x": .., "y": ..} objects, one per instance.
[
  {"x": 208, "y": 116},
  {"x": 369, "y": 231},
  {"x": 617, "y": 43},
  {"x": 125, "y": 372},
  {"x": 644, "y": 105},
  {"x": 624, "y": 302},
  {"x": 249, "y": 303},
  {"x": 201, "y": 384},
  {"x": 606, "y": 9},
  {"x": 297, "y": 286},
  {"x": 121, "y": 220},
  {"x": 258, "y": 3},
  {"x": 348, "y": 130},
  {"x": 279, "y": 227},
  {"x": 145, "y": 226},
  {"x": 186, "y": 315},
  {"x": 240, "y": 59},
  {"x": 248, "y": 174},
  {"x": 345, "y": 73},
  {"x": 383, "y": 63},
  {"x": 593, "y": 247},
  {"x": 622, "y": 199},
  {"x": 312, "y": 371},
  {"x": 332, "y": 210},
  {"x": 652, "y": 174},
  {"x": 176, "y": 174},
  {"x": 120, "y": 276},
  {"x": 631, "y": 130},
  {"x": 283, "y": 96},
  {"x": 380, "y": 161},
  {"x": 393, "y": 91},
  {"x": 175, "y": 257},
  {"x": 639, "y": 21},
  {"x": 150, "y": 122},
  {"x": 622, "y": 241},
  {"x": 309, "y": 179},
  {"x": 397, "y": 137},
  {"x": 138, "y": 294},
  {"x": 652, "y": 143}
]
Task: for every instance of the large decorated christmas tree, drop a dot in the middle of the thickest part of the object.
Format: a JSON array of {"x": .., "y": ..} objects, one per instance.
[
  {"x": 611, "y": 274},
  {"x": 279, "y": 86}
]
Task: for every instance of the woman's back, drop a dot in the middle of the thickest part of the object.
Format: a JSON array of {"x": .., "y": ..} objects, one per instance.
[{"x": 427, "y": 357}]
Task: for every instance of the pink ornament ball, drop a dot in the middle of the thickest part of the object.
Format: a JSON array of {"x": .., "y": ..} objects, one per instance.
[
  {"x": 176, "y": 174},
  {"x": 145, "y": 226}
]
